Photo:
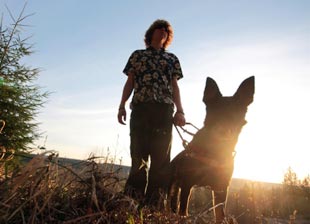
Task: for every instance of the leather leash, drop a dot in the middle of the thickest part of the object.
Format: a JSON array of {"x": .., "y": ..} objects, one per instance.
[{"x": 185, "y": 142}]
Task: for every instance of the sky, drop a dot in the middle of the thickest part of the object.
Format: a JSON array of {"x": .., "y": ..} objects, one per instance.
[{"x": 82, "y": 47}]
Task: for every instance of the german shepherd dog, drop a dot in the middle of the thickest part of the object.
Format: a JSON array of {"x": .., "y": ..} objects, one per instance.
[{"x": 208, "y": 160}]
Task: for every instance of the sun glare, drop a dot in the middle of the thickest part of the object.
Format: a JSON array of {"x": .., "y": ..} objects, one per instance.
[
  {"x": 261, "y": 157},
  {"x": 252, "y": 161}
]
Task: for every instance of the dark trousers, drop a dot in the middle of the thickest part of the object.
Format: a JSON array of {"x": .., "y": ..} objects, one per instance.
[{"x": 150, "y": 134}]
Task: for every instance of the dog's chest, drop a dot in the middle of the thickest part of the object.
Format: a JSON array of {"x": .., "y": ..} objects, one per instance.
[{"x": 194, "y": 169}]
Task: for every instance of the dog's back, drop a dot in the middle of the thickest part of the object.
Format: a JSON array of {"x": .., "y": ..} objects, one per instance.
[{"x": 209, "y": 158}]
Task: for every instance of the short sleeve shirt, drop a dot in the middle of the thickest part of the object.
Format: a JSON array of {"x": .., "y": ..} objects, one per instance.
[{"x": 153, "y": 71}]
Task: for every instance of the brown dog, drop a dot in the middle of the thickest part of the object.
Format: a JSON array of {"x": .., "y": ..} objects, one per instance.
[{"x": 208, "y": 160}]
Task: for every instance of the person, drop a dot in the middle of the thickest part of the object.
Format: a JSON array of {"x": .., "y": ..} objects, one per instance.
[{"x": 153, "y": 74}]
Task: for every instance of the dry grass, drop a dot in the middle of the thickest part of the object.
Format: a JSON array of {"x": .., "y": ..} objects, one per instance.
[{"x": 44, "y": 191}]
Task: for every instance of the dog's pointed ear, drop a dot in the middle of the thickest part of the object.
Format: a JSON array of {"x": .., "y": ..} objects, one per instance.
[
  {"x": 246, "y": 91},
  {"x": 211, "y": 92}
]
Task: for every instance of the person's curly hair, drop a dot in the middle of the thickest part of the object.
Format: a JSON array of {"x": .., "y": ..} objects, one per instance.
[{"x": 158, "y": 24}]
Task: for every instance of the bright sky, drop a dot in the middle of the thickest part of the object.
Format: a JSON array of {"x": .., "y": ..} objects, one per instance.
[{"x": 82, "y": 47}]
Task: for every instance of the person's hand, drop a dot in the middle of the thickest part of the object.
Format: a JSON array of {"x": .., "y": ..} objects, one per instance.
[
  {"x": 179, "y": 119},
  {"x": 121, "y": 115}
]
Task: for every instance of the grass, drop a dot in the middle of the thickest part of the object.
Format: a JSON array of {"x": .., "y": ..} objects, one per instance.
[{"x": 44, "y": 191}]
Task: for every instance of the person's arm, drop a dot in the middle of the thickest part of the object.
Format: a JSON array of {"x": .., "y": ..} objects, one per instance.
[
  {"x": 127, "y": 90},
  {"x": 179, "y": 118}
]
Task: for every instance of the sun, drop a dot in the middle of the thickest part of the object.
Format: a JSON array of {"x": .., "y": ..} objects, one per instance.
[{"x": 255, "y": 158}]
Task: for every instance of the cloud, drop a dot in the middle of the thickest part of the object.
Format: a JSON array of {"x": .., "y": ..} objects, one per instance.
[{"x": 277, "y": 57}]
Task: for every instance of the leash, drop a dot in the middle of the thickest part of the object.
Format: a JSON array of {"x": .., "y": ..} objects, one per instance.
[{"x": 185, "y": 142}]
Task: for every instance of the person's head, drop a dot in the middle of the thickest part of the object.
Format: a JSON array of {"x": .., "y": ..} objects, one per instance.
[{"x": 157, "y": 27}]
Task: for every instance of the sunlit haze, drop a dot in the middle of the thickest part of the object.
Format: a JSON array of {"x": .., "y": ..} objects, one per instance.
[{"x": 83, "y": 46}]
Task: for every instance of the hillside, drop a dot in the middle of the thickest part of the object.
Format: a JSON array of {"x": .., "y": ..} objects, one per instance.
[{"x": 236, "y": 183}]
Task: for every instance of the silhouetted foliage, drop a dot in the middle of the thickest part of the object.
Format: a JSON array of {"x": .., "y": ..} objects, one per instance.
[
  {"x": 259, "y": 203},
  {"x": 20, "y": 97}
]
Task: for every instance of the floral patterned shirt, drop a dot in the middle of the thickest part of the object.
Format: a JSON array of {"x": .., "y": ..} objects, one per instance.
[{"x": 153, "y": 71}]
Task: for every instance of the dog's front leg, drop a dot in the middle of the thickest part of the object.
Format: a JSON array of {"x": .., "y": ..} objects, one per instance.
[
  {"x": 173, "y": 197},
  {"x": 184, "y": 199},
  {"x": 219, "y": 202}
]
